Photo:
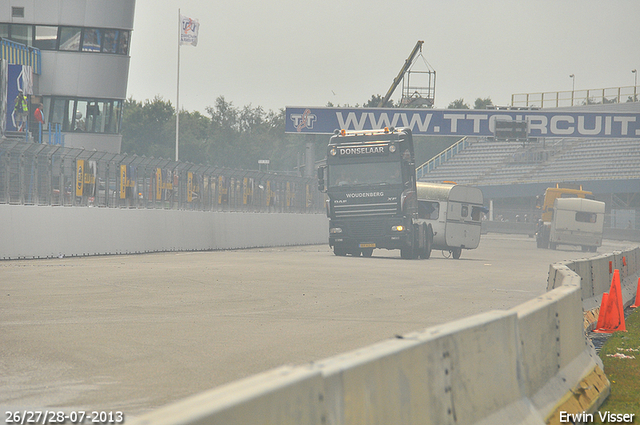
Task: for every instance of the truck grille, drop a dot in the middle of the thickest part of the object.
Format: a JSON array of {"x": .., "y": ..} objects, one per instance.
[
  {"x": 367, "y": 229},
  {"x": 366, "y": 210}
]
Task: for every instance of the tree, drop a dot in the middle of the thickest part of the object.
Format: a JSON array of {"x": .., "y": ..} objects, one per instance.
[
  {"x": 227, "y": 136},
  {"x": 458, "y": 104},
  {"x": 148, "y": 128},
  {"x": 375, "y": 101},
  {"x": 482, "y": 103}
]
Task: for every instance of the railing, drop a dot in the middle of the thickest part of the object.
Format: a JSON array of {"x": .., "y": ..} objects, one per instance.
[
  {"x": 42, "y": 174},
  {"x": 19, "y": 54},
  {"x": 442, "y": 157},
  {"x": 576, "y": 97}
]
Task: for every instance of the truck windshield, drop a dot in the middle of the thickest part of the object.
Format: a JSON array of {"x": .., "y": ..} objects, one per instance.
[{"x": 379, "y": 173}]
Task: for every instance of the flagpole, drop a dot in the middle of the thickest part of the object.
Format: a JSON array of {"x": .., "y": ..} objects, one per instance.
[{"x": 178, "y": 90}]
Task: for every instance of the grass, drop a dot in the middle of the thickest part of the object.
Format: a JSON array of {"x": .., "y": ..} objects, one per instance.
[{"x": 624, "y": 373}]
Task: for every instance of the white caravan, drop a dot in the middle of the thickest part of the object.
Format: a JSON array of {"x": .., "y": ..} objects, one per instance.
[
  {"x": 577, "y": 221},
  {"x": 454, "y": 212}
]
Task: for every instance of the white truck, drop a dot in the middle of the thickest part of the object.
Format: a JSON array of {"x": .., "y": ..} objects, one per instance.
[
  {"x": 577, "y": 221},
  {"x": 454, "y": 213}
]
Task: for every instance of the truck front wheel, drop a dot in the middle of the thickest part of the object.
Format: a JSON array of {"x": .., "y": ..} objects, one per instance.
[
  {"x": 339, "y": 251},
  {"x": 426, "y": 252}
]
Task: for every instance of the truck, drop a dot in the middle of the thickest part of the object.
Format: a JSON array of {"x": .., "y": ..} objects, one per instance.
[
  {"x": 370, "y": 184},
  {"x": 567, "y": 223},
  {"x": 454, "y": 212}
]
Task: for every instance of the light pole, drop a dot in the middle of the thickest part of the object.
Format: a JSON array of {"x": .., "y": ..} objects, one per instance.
[
  {"x": 573, "y": 86},
  {"x": 635, "y": 84}
]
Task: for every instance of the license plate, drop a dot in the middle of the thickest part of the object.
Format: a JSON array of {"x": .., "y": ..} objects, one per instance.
[{"x": 367, "y": 245}]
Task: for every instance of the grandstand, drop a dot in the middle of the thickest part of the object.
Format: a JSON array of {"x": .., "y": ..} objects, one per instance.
[
  {"x": 487, "y": 162},
  {"x": 515, "y": 172}
]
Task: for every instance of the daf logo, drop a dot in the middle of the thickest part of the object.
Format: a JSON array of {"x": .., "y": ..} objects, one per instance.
[{"x": 305, "y": 120}]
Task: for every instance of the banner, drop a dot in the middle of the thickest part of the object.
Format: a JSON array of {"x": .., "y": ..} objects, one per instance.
[
  {"x": 90, "y": 177},
  {"x": 189, "y": 30},
  {"x": 79, "y": 177},
  {"x": 464, "y": 122},
  {"x": 128, "y": 181},
  {"x": 19, "y": 78}
]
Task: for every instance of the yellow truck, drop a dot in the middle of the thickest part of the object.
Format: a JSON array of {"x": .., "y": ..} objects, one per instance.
[{"x": 570, "y": 216}]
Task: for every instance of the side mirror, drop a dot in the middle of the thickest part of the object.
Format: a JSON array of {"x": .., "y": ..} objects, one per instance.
[{"x": 321, "y": 182}]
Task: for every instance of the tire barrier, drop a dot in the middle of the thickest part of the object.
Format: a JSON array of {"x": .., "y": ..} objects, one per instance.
[{"x": 526, "y": 365}]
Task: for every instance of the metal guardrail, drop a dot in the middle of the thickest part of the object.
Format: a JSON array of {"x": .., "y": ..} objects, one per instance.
[
  {"x": 19, "y": 54},
  {"x": 576, "y": 97},
  {"x": 42, "y": 174},
  {"x": 442, "y": 157}
]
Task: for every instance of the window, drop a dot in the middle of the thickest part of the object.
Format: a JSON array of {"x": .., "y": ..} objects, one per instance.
[
  {"x": 45, "y": 37},
  {"x": 586, "y": 217},
  {"x": 110, "y": 41},
  {"x": 17, "y": 12},
  {"x": 92, "y": 40},
  {"x": 464, "y": 212},
  {"x": 21, "y": 34},
  {"x": 384, "y": 173},
  {"x": 428, "y": 210},
  {"x": 476, "y": 213},
  {"x": 60, "y": 113},
  {"x": 123, "y": 43},
  {"x": 70, "y": 38},
  {"x": 87, "y": 115}
]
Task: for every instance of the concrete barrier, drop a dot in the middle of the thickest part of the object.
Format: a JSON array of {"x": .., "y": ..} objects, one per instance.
[
  {"x": 442, "y": 375},
  {"x": 596, "y": 274},
  {"x": 561, "y": 369},
  {"x": 284, "y": 396},
  {"x": 44, "y": 231}
]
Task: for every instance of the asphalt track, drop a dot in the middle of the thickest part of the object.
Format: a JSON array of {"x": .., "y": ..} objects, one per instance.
[{"x": 133, "y": 333}]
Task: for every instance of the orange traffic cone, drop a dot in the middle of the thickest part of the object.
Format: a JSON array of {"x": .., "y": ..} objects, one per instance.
[
  {"x": 603, "y": 303},
  {"x": 637, "y": 303},
  {"x": 611, "y": 309}
]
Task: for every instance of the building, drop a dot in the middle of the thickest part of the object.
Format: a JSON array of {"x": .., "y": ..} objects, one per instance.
[{"x": 84, "y": 47}]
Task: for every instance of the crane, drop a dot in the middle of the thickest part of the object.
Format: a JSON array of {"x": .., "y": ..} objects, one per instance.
[{"x": 407, "y": 64}]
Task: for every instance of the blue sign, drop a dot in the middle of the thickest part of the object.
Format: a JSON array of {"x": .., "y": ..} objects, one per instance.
[{"x": 464, "y": 122}]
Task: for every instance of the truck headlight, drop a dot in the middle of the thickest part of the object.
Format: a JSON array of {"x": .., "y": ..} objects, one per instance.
[
  {"x": 334, "y": 230},
  {"x": 399, "y": 228}
]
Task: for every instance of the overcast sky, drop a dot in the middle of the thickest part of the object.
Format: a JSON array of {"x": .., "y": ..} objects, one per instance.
[{"x": 307, "y": 53}]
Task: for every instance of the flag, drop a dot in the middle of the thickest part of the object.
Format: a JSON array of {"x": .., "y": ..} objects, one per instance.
[{"x": 189, "y": 30}]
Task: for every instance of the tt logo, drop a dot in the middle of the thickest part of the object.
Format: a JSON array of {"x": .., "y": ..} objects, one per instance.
[{"x": 305, "y": 120}]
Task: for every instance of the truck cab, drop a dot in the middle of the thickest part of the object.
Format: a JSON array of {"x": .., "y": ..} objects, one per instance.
[{"x": 370, "y": 184}]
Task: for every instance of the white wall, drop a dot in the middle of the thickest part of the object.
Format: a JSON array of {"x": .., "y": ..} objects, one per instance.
[
  {"x": 43, "y": 231},
  {"x": 99, "y": 75}
]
